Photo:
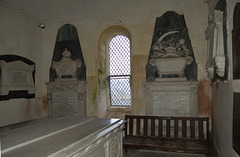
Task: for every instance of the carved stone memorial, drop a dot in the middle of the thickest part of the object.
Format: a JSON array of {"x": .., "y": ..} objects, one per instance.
[
  {"x": 171, "y": 74},
  {"x": 170, "y": 57},
  {"x": 171, "y": 98},
  {"x": 16, "y": 76},
  {"x": 216, "y": 58},
  {"x": 66, "y": 94}
]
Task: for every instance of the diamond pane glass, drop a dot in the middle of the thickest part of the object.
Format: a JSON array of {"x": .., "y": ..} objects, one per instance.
[
  {"x": 120, "y": 91},
  {"x": 120, "y": 71},
  {"x": 119, "y": 55}
]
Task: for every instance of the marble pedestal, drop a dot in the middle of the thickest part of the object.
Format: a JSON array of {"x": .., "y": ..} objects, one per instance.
[
  {"x": 66, "y": 97},
  {"x": 171, "y": 98}
]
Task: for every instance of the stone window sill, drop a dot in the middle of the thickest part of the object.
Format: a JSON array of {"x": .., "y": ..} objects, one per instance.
[{"x": 119, "y": 109}]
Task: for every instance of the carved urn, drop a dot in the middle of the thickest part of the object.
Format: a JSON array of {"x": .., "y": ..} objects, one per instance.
[
  {"x": 171, "y": 65},
  {"x": 170, "y": 57},
  {"x": 66, "y": 66}
]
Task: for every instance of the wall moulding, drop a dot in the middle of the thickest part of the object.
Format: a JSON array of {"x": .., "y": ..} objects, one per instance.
[{"x": 214, "y": 35}]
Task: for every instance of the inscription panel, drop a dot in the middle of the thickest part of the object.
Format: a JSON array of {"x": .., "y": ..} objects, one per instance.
[
  {"x": 171, "y": 98},
  {"x": 170, "y": 103},
  {"x": 66, "y": 97},
  {"x": 65, "y": 103},
  {"x": 18, "y": 78}
]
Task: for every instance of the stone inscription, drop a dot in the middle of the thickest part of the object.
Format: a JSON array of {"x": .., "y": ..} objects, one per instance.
[
  {"x": 19, "y": 78},
  {"x": 170, "y": 103},
  {"x": 64, "y": 103}
]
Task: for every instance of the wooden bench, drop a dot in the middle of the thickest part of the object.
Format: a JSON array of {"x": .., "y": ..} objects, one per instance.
[{"x": 173, "y": 134}]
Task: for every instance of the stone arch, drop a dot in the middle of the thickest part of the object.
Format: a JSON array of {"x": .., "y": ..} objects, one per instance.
[{"x": 104, "y": 38}]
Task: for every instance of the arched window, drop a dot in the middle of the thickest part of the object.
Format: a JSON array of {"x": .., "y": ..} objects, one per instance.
[{"x": 119, "y": 78}]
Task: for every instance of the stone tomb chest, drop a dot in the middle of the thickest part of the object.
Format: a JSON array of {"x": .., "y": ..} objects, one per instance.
[{"x": 73, "y": 136}]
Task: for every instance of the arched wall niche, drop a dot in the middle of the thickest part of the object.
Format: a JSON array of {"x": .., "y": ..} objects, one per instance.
[
  {"x": 103, "y": 97},
  {"x": 67, "y": 38},
  {"x": 111, "y": 31}
]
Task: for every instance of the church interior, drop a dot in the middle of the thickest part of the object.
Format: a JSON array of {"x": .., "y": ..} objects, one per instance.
[{"x": 102, "y": 60}]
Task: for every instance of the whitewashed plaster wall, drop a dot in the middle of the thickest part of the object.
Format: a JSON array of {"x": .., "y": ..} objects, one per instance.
[
  {"x": 20, "y": 35},
  {"x": 223, "y": 99},
  {"x": 91, "y": 18}
]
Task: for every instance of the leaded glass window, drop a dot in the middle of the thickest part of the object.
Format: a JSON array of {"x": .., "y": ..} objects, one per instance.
[{"x": 120, "y": 71}]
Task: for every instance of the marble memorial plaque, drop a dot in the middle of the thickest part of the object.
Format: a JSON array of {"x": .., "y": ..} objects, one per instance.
[
  {"x": 17, "y": 78},
  {"x": 64, "y": 103},
  {"x": 170, "y": 101}
]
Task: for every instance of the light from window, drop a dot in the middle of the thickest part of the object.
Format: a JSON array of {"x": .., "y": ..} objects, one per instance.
[{"x": 120, "y": 71}]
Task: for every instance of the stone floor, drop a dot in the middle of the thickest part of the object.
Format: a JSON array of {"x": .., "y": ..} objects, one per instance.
[{"x": 146, "y": 153}]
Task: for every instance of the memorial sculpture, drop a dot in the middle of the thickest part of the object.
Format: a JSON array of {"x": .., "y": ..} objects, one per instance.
[
  {"x": 171, "y": 73},
  {"x": 170, "y": 56},
  {"x": 66, "y": 66},
  {"x": 66, "y": 94},
  {"x": 17, "y": 77}
]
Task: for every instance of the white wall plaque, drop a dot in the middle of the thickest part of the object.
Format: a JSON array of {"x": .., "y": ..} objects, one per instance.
[
  {"x": 66, "y": 97},
  {"x": 171, "y": 98},
  {"x": 64, "y": 103},
  {"x": 16, "y": 76}
]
